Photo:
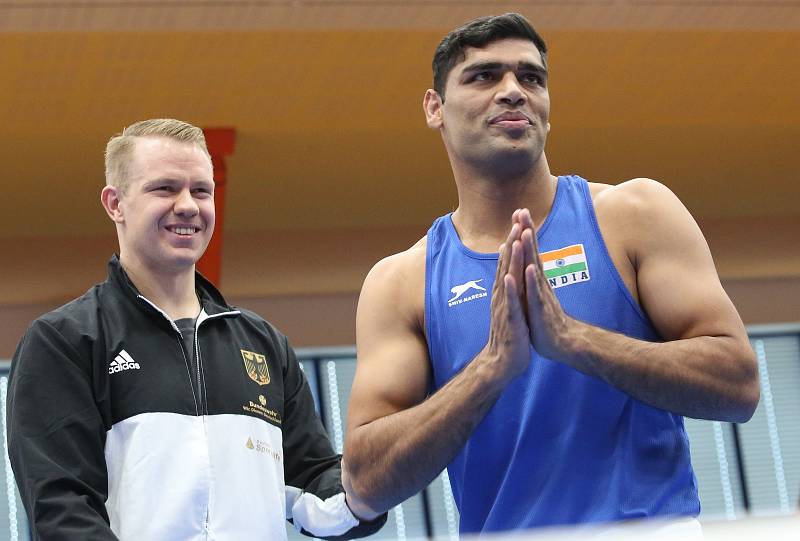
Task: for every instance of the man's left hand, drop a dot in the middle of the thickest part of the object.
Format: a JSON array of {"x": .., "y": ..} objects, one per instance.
[{"x": 551, "y": 330}]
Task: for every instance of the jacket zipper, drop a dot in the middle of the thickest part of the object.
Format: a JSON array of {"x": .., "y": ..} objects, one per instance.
[
  {"x": 183, "y": 349},
  {"x": 203, "y": 397},
  {"x": 200, "y": 320},
  {"x": 198, "y": 406}
]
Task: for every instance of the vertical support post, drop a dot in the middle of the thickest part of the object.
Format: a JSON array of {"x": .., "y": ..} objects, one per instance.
[
  {"x": 220, "y": 143},
  {"x": 323, "y": 413},
  {"x": 737, "y": 442},
  {"x": 427, "y": 511}
]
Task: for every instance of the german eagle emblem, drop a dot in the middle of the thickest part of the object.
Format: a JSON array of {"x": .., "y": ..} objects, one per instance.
[{"x": 256, "y": 366}]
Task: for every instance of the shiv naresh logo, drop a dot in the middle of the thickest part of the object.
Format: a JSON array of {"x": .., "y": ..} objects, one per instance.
[{"x": 459, "y": 290}]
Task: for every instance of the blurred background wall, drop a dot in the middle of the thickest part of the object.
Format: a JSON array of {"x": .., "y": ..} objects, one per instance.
[{"x": 334, "y": 167}]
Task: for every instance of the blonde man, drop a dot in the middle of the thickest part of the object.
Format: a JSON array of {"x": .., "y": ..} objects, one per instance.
[{"x": 149, "y": 408}]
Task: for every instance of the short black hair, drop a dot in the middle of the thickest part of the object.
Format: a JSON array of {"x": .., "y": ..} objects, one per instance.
[{"x": 479, "y": 33}]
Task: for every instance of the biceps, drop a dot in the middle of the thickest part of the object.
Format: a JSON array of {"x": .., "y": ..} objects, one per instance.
[
  {"x": 681, "y": 292},
  {"x": 392, "y": 374}
]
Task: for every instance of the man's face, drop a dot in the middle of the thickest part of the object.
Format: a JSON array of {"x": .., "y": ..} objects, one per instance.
[
  {"x": 166, "y": 216},
  {"x": 496, "y": 105}
]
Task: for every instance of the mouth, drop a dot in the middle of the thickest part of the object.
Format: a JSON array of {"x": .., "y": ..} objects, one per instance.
[
  {"x": 183, "y": 230},
  {"x": 511, "y": 120}
]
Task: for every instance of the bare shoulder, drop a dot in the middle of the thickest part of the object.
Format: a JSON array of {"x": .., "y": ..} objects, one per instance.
[
  {"x": 638, "y": 218},
  {"x": 640, "y": 210},
  {"x": 406, "y": 264},
  {"x": 398, "y": 279},
  {"x": 635, "y": 195}
]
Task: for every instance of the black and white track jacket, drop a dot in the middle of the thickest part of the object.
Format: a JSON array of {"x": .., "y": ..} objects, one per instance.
[{"x": 114, "y": 433}]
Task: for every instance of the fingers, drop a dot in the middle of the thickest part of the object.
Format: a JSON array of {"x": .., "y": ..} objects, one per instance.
[
  {"x": 532, "y": 272},
  {"x": 516, "y": 267},
  {"x": 504, "y": 255},
  {"x": 514, "y": 254},
  {"x": 538, "y": 294},
  {"x": 506, "y": 302},
  {"x": 524, "y": 218},
  {"x": 512, "y": 298},
  {"x": 500, "y": 263},
  {"x": 532, "y": 293},
  {"x": 513, "y": 234},
  {"x": 533, "y": 302},
  {"x": 509, "y": 261},
  {"x": 528, "y": 241}
]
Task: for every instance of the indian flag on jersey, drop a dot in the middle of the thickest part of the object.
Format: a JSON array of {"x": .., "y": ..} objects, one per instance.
[{"x": 565, "y": 266}]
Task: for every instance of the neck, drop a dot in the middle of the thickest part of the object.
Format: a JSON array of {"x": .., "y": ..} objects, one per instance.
[
  {"x": 172, "y": 291},
  {"x": 487, "y": 201}
]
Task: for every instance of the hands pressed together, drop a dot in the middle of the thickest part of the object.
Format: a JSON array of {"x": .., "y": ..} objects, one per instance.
[{"x": 525, "y": 312}]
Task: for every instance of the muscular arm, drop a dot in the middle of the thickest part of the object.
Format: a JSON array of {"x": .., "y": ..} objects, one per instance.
[
  {"x": 315, "y": 499},
  {"x": 398, "y": 440},
  {"x": 705, "y": 368}
]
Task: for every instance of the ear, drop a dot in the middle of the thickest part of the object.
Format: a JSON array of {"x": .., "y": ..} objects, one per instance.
[
  {"x": 548, "y": 127},
  {"x": 432, "y": 105},
  {"x": 111, "y": 197}
]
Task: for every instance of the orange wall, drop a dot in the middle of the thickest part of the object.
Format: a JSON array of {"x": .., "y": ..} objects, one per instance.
[{"x": 307, "y": 282}]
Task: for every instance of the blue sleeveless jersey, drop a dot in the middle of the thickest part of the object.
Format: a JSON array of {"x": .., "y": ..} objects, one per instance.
[{"x": 558, "y": 447}]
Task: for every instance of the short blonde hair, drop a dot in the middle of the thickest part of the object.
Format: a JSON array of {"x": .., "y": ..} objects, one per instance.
[{"x": 120, "y": 147}]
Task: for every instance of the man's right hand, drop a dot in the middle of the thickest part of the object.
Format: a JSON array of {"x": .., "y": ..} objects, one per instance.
[{"x": 509, "y": 336}]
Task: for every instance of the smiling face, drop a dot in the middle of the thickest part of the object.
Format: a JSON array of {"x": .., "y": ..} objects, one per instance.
[
  {"x": 497, "y": 106},
  {"x": 165, "y": 217}
]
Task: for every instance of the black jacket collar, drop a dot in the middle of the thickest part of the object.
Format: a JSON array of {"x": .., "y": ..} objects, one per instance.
[{"x": 211, "y": 299}]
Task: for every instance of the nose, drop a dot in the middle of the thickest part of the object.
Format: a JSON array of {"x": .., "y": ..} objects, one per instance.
[
  {"x": 509, "y": 91},
  {"x": 185, "y": 205}
]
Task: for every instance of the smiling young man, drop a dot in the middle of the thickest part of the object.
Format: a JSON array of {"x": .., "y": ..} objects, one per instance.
[
  {"x": 149, "y": 408},
  {"x": 549, "y": 378}
]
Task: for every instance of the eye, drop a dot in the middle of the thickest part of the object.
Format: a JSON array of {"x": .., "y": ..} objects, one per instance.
[
  {"x": 532, "y": 79},
  {"x": 482, "y": 76}
]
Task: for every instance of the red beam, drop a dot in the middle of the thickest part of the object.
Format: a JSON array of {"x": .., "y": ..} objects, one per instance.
[{"x": 221, "y": 143}]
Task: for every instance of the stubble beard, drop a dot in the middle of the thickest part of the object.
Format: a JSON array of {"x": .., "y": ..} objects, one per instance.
[
  {"x": 511, "y": 162},
  {"x": 501, "y": 157}
]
